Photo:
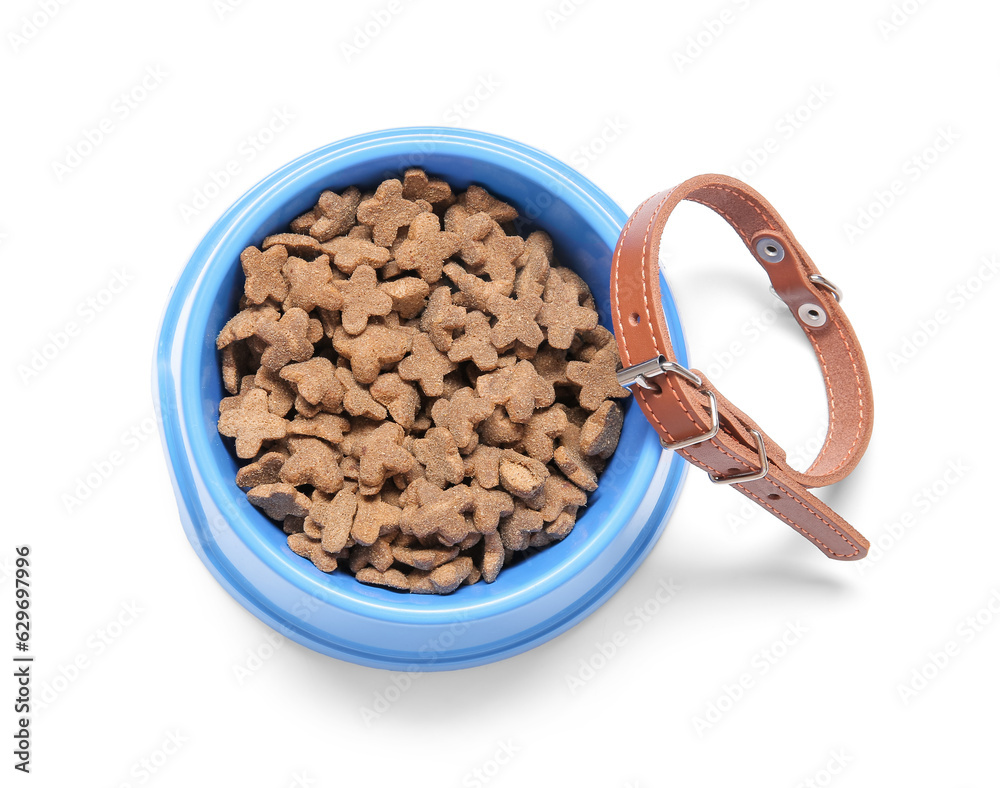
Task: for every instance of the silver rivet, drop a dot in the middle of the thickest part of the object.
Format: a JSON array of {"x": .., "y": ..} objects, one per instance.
[
  {"x": 770, "y": 250},
  {"x": 812, "y": 315}
]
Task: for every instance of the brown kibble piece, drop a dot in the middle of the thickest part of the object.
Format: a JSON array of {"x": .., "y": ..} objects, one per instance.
[
  {"x": 483, "y": 465},
  {"x": 426, "y": 248},
  {"x": 327, "y": 426},
  {"x": 515, "y": 531},
  {"x": 263, "y": 470},
  {"x": 561, "y": 527},
  {"x": 310, "y": 285},
  {"x": 279, "y": 501},
  {"x": 516, "y": 320},
  {"x": 314, "y": 462},
  {"x": 426, "y": 364},
  {"x": 232, "y": 357},
  {"x": 438, "y": 453},
  {"x": 357, "y": 400},
  {"x": 499, "y": 430},
  {"x": 521, "y": 476},
  {"x": 578, "y": 467},
  {"x": 475, "y": 291},
  {"x": 335, "y": 214},
  {"x": 244, "y": 323},
  {"x": 561, "y": 314},
  {"x": 493, "y": 556},
  {"x": 441, "y": 318},
  {"x": 310, "y": 548},
  {"x": 334, "y": 517},
  {"x": 371, "y": 350},
  {"x": 476, "y": 199},
  {"x": 592, "y": 341},
  {"x": 391, "y": 578},
  {"x": 541, "y": 431},
  {"x": 251, "y": 423},
  {"x": 487, "y": 248},
  {"x": 600, "y": 433},
  {"x": 520, "y": 389},
  {"x": 400, "y": 398},
  {"x": 373, "y": 519},
  {"x": 596, "y": 378},
  {"x": 447, "y": 578},
  {"x": 280, "y": 396},
  {"x": 560, "y": 496},
  {"x": 387, "y": 211},
  {"x": 461, "y": 414},
  {"x": 475, "y": 344},
  {"x": 246, "y": 386},
  {"x": 378, "y": 555},
  {"x": 263, "y": 273},
  {"x": 287, "y": 339},
  {"x": 488, "y": 507},
  {"x": 408, "y": 294},
  {"x": 425, "y": 559},
  {"x": 356, "y": 249},
  {"x": 297, "y": 244},
  {"x": 417, "y": 186},
  {"x": 362, "y": 298},
  {"x": 316, "y": 382},
  {"x": 381, "y": 455},
  {"x": 551, "y": 365},
  {"x": 429, "y": 510}
]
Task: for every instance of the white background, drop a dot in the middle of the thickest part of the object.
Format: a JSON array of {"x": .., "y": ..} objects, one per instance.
[{"x": 853, "y": 96}]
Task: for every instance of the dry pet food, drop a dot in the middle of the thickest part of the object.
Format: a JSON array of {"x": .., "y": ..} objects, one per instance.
[{"x": 419, "y": 395}]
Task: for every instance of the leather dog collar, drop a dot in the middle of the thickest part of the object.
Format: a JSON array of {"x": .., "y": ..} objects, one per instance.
[{"x": 690, "y": 414}]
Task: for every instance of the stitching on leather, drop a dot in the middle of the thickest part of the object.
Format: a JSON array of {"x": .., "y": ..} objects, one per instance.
[
  {"x": 730, "y": 219},
  {"x": 752, "y": 203},
  {"x": 642, "y": 269},
  {"x": 830, "y": 395},
  {"x": 806, "y": 534},
  {"x": 618, "y": 252},
  {"x": 861, "y": 399}
]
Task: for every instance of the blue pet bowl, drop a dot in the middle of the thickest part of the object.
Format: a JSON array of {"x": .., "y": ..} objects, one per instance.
[{"x": 531, "y": 601}]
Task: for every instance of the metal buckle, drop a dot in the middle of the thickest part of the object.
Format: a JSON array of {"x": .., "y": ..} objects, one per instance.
[
  {"x": 820, "y": 281},
  {"x": 751, "y": 476},
  {"x": 639, "y": 374}
]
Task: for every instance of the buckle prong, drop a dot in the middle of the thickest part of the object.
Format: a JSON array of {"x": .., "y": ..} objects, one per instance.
[{"x": 750, "y": 476}]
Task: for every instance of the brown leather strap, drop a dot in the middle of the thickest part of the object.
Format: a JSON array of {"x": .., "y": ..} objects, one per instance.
[{"x": 680, "y": 407}]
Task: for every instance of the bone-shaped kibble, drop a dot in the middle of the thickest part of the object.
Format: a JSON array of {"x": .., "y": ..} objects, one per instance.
[
  {"x": 362, "y": 299},
  {"x": 426, "y": 248},
  {"x": 312, "y": 462},
  {"x": 596, "y": 378},
  {"x": 441, "y": 318},
  {"x": 438, "y": 453},
  {"x": 263, "y": 273},
  {"x": 426, "y": 365},
  {"x": 288, "y": 339},
  {"x": 561, "y": 314},
  {"x": 387, "y": 211},
  {"x": 251, "y": 423},
  {"x": 417, "y": 186},
  {"x": 310, "y": 285}
]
